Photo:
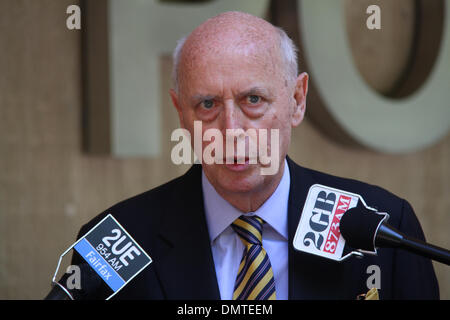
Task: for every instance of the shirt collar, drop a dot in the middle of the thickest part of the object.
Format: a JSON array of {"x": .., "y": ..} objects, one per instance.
[{"x": 220, "y": 213}]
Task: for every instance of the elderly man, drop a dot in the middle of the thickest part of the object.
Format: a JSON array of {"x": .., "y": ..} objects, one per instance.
[{"x": 224, "y": 230}]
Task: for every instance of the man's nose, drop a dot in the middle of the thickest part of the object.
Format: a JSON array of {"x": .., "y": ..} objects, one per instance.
[{"x": 232, "y": 115}]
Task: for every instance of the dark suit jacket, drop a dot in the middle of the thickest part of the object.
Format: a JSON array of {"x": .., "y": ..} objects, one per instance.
[{"x": 169, "y": 223}]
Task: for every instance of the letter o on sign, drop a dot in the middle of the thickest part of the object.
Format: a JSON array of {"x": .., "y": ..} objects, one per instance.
[{"x": 375, "y": 121}]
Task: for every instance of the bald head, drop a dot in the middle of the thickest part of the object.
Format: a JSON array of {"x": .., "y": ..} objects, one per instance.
[{"x": 240, "y": 32}]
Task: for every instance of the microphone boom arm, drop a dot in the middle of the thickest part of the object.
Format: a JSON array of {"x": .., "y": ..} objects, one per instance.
[{"x": 388, "y": 236}]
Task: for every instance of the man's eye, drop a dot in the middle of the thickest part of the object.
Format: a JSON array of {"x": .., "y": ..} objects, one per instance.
[
  {"x": 208, "y": 104},
  {"x": 253, "y": 99}
]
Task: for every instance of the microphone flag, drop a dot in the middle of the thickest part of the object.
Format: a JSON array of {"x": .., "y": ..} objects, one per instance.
[
  {"x": 318, "y": 231},
  {"x": 111, "y": 252}
]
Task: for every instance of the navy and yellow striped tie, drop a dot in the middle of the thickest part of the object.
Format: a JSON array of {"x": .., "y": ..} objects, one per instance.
[{"x": 255, "y": 279}]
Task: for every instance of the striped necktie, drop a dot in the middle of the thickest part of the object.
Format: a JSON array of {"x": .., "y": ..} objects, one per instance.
[{"x": 255, "y": 279}]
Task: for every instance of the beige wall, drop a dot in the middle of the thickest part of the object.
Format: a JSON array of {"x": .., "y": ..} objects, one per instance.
[{"x": 48, "y": 187}]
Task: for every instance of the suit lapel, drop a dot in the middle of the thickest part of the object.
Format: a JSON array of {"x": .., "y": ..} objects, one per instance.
[
  {"x": 186, "y": 267},
  {"x": 310, "y": 276},
  {"x": 300, "y": 183}
]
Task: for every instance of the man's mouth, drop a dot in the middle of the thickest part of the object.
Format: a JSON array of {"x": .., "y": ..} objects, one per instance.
[{"x": 233, "y": 165}]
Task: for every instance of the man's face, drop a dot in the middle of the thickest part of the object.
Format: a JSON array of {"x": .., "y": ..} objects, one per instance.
[{"x": 239, "y": 89}]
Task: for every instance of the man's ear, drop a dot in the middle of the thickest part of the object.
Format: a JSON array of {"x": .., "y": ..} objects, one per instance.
[
  {"x": 300, "y": 92},
  {"x": 176, "y": 104}
]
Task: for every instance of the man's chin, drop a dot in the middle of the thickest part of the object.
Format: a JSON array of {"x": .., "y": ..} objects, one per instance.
[{"x": 240, "y": 178}]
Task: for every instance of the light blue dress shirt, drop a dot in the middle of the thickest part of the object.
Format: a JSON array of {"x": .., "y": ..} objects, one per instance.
[{"x": 227, "y": 248}]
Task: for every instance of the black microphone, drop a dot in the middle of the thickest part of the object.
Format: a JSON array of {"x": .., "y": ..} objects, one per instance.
[
  {"x": 363, "y": 229},
  {"x": 89, "y": 283}
]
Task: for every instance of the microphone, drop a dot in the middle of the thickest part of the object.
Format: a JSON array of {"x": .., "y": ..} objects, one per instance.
[
  {"x": 112, "y": 258},
  {"x": 364, "y": 230},
  {"x": 89, "y": 283}
]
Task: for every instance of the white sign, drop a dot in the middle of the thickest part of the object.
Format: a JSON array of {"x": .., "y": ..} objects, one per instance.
[{"x": 318, "y": 232}]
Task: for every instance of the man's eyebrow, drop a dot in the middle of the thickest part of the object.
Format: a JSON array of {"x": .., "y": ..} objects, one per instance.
[
  {"x": 255, "y": 91},
  {"x": 196, "y": 98}
]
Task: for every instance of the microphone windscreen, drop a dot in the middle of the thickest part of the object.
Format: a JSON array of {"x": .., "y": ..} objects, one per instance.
[{"x": 358, "y": 227}]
